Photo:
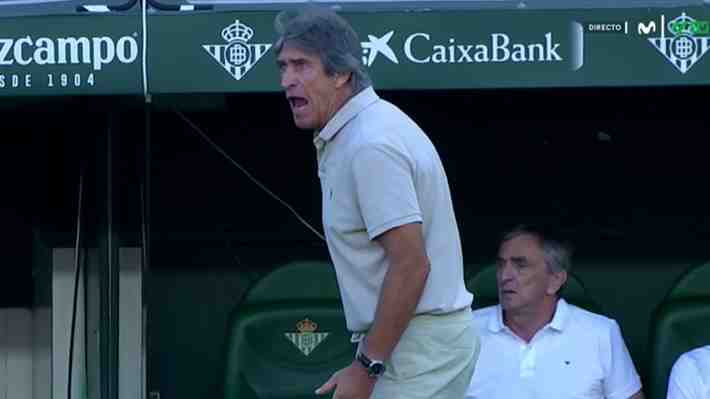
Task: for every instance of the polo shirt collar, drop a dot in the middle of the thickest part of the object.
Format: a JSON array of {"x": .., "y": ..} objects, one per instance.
[
  {"x": 345, "y": 114},
  {"x": 495, "y": 324},
  {"x": 558, "y": 322}
]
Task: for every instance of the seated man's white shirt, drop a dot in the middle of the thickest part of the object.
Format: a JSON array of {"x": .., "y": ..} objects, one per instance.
[
  {"x": 579, "y": 354},
  {"x": 690, "y": 376}
]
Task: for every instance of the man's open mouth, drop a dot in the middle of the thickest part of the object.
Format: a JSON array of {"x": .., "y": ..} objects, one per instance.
[{"x": 297, "y": 102}]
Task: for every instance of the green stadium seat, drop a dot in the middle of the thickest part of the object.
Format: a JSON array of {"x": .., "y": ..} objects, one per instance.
[
  {"x": 680, "y": 323},
  {"x": 485, "y": 290},
  {"x": 288, "y": 335}
]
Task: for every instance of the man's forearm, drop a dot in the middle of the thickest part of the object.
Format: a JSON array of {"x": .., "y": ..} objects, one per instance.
[{"x": 402, "y": 288}]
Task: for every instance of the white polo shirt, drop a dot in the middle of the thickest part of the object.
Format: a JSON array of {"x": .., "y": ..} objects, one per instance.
[
  {"x": 579, "y": 354},
  {"x": 378, "y": 170},
  {"x": 690, "y": 376}
]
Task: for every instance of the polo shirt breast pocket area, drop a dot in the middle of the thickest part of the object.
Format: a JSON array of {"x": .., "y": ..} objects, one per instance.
[
  {"x": 340, "y": 213},
  {"x": 329, "y": 207},
  {"x": 582, "y": 378},
  {"x": 327, "y": 200}
]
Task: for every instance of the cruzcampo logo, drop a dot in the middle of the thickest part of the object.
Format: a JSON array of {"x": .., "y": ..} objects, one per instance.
[
  {"x": 688, "y": 43},
  {"x": 306, "y": 339},
  {"x": 238, "y": 56}
]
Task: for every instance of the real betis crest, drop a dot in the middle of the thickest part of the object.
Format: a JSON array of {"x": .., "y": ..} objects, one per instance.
[
  {"x": 688, "y": 43},
  {"x": 238, "y": 56},
  {"x": 306, "y": 339}
]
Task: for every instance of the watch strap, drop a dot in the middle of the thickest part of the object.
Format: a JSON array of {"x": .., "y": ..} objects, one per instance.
[{"x": 375, "y": 368}]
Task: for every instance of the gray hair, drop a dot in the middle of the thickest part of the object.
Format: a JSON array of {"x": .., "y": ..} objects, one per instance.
[
  {"x": 557, "y": 254},
  {"x": 319, "y": 30}
]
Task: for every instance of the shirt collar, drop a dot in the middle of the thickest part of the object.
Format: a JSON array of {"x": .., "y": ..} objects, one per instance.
[
  {"x": 495, "y": 324},
  {"x": 345, "y": 114},
  {"x": 559, "y": 320}
]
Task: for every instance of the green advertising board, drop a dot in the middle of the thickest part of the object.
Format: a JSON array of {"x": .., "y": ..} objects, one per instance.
[
  {"x": 231, "y": 51},
  {"x": 70, "y": 55}
]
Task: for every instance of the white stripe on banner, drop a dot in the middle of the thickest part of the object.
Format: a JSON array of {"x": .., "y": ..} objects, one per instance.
[{"x": 96, "y": 8}]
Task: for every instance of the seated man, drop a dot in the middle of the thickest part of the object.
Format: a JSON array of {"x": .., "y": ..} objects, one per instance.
[
  {"x": 690, "y": 376},
  {"x": 536, "y": 345}
]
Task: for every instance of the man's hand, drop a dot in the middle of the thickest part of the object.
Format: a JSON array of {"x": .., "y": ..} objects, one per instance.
[{"x": 351, "y": 382}]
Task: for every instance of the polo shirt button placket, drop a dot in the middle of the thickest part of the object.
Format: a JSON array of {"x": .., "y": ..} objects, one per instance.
[{"x": 527, "y": 360}]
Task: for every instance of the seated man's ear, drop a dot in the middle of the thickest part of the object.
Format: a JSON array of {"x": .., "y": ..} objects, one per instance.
[{"x": 556, "y": 282}]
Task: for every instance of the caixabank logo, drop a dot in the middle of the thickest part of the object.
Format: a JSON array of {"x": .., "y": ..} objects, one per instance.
[
  {"x": 497, "y": 47},
  {"x": 683, "y": 40},
  {"x": 237, "y": 56}
]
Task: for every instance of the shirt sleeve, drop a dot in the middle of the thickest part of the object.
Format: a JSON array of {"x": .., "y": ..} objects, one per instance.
[
  {"x": 682, "y": 383},
  {"x": 621, "y": 380},
  {"x": 384, "y": 183}
]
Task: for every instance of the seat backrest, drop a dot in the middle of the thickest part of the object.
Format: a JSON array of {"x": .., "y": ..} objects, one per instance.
[
  {"x": 301, "y": 281},
  {"x": 288, "y": 336},
  {"x": 680, "y": 323},
  {"x": 485, "y": 290},
  {"x": 692, "y": 284}
]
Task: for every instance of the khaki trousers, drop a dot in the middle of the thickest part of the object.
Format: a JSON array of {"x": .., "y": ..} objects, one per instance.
[{"x": 434, "y": 359}]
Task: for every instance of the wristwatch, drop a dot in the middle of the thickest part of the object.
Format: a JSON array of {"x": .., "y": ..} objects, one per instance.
[{"x": 375, "y": 368}]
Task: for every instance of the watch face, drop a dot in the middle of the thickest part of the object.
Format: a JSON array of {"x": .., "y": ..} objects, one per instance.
[{"x": 377, "y": 369}]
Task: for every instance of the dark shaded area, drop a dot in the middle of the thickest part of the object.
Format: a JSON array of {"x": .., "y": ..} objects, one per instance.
[
  {"x": 45, "y": 147},
  {"x": 604, "y": 165},
  {"x": 36, "y": 155}
]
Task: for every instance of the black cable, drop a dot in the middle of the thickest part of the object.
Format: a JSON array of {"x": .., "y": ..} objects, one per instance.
[
  {"x": 249, "y": 176},
  {"x": 145, "y": 190},
  {"x": 86, "y": 330},
  {"x": 144, "y": 271},
  {"x": 145, "y": 238},
  {"x": 77, "y": 269}
]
